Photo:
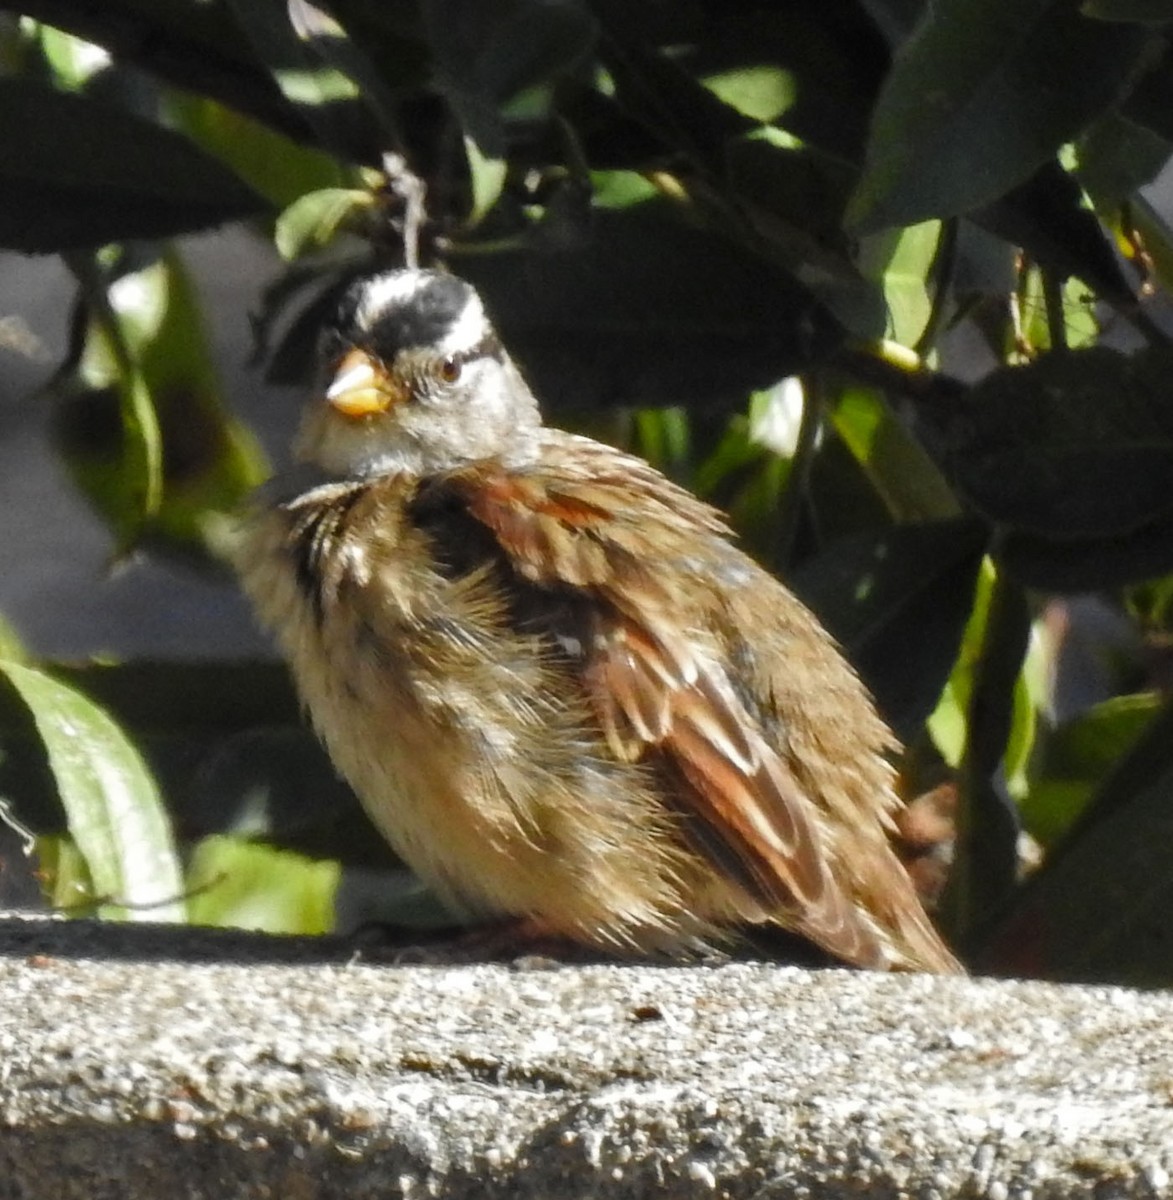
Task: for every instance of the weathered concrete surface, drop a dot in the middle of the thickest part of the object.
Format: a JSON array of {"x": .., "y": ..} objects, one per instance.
[{"x": 155, "y": 1063}]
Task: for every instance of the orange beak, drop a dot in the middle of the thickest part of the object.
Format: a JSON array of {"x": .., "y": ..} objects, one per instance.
[{"x": 361, "y": 387}]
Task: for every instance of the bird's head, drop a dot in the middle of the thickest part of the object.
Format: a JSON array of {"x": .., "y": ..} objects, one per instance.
[{"x": 417, "y": 381}]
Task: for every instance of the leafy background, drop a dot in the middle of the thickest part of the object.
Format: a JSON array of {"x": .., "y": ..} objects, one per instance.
[{"x": 883, "y": 279}]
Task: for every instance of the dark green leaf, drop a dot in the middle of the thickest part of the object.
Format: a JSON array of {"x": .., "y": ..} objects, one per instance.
[
  {"x": 794, "y": 183},
  {"x": 647, "y": 310},
  {"x": 1100, "y": 911},
  {"x": 982, "y": 95},
  {"x": 325, "y": 98},
  {"x": 1074, "y": 445},
  {"x": 1157, "y": 12},
  {"x": 793, "y": 198},
  {"x": 683, "y": 114},
  {"x": 1151, "y": 102},
  {"x": 1117, "y": 156},
  {"x": 1048, "y": 217},
  {"x": 75, "y": 172},
  {"x": 196, "y": 46},
  {"x": 1088, "y": 564},
  {"x": 896, "y": 18},
  {"x": 985, "y": 858},
  {"x": 813, "y": 72},
  {"x": 113, "y": 808},
  {"x": 487, "y": 53},
  {"x": 898, "y": 602}
]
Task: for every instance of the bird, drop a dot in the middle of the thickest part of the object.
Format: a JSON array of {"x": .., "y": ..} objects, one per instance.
[{"x": 566, "y": 698}]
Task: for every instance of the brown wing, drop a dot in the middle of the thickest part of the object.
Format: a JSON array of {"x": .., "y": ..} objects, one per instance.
[{"x": 593, "y": 523}]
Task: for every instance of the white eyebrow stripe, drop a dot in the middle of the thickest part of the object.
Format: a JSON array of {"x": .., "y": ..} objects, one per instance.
[
  {"x": 469, "y": 329},
  {"x": 382, "y": 292}
]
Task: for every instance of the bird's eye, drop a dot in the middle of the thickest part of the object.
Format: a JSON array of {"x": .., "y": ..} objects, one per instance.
[{"x": 449, "y": 369}]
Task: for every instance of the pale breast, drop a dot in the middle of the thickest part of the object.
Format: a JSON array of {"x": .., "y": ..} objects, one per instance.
[{"x": 470, "y": 749}]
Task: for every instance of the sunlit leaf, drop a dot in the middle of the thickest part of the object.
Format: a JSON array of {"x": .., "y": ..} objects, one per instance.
[
  {"x": 909, "y": 482},
  {"x": 328, "y": 99},
  {"x": 248, "y": 885},
  {"x": 949, "y": 721},
  {"x": 312, "y": 221},
  {"x": 144, "y": 353},
  {"x": 762, "y": 92},
  {"x": 113, "y": 809},
  {"x": 901, "y": 261},
  {"x": 1077, "y": 758},
  {"x": 274, "y": 165},
  {"x": 487, "y": 175}
]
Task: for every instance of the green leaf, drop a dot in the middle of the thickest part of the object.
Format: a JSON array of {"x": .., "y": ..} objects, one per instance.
[
  {"x": 487, "y": 53},
  {"x": 1117, "y": 156},
  {"x": 1098, "y": 912},
  {"x": 901, "y": 261},
  {"x": 272, "y": 164},
  {"x": 979, "y": 97},
  {"x": 75, "y": 172},
  {"x": 312, "y": 221},
  {"x": 318, "y": 29},
  {"x": 64, "y": 875},
  {"x": 763, "y": 92},
  {"x": 1151, "y": 102},
  {"x": 906, "y": 478},
  {"x": 646, "y": 309},
  {"x": 72, "y": 62},
  {"x": 793, "y": 197},
  {"x": 1157, "y": 12},
  {"x": 487, "y": 176},
  {"x": 898, "y": 601},
  {"x": 949, "y": 721},
  {"x": 1077, "y": 758},
  {"x": 1080, "y": 327},
  {"x": 246, "y": 885},
  {"x": 989, "y": 688},
  {"x": 11, "y": 646},
  {"x": 1076, "y": 445},
  {"x": 657, "y": 91},
  {"x": 1087, "y": 564},
  {"x": 1048, "y": 217},
  {"x": 140, "y": 420},
  {"x": 113, "y": 809},
  {"x": 326, "y": 98}
]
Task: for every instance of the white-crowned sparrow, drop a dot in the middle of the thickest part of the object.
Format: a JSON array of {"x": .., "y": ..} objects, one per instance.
[{"x": 559, "y": 690}]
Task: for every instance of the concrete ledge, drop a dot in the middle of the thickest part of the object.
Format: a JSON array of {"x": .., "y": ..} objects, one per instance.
[{"x": 146, "y": 1062}]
